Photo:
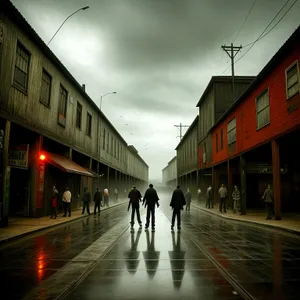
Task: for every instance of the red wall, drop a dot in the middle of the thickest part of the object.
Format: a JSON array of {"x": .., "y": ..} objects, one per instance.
[{"x": 280, "y": 120}]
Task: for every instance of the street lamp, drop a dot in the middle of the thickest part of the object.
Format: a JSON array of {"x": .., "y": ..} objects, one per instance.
[
  {"x": 83, "y": 8},
  {"x": 104, "y": 96}
]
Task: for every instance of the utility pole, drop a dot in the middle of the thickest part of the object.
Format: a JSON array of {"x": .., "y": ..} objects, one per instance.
[
  {"x": 232, "y": 51},
  {"x": 180, "y": 126}
]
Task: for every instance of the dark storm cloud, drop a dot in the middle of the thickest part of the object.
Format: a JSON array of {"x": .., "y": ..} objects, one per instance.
[{"x": 159, "y": 56}]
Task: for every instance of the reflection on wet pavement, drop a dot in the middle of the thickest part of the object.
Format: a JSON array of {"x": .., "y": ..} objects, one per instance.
[
  {"x": 24, "y": 264},
  {"x": 149, "y": 265}
]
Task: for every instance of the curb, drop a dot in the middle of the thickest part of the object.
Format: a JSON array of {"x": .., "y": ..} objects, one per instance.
[
  {"x": 250, "y": 221},
  {"x": 19, "y": 236}
]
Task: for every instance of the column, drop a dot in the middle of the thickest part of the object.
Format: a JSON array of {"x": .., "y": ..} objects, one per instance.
[
  {"x": 4, "y": 172},
  {"x": 215, "y": 185},
  {"x": 107, "y": 180},
  {"x": 230, "y": 187},
  {"x": 243, "y": 190},
  {"x": 276, "y": 179}
]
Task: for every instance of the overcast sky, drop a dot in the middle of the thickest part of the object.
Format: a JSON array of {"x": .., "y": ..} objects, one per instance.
[{"x": 158, "y": 55}]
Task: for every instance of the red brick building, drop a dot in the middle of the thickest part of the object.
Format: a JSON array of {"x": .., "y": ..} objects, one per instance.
[{"x": 257, "y": 141}]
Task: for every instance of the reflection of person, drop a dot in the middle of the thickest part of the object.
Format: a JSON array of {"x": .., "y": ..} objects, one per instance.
[
  {"x": 177, "y": 203},
  {"x": 151, "y": 256},
  {"x": 135, "y": 198},
  {"x": 54, "y": 202},
  {"x": 177, "y": 260},
  {"x": 67, "y": 196},
  {"x": 97, "y": 200},
  {"x": 268, "y": 198},
  {"x": 150, "y": 199},
  {"x": 188, "y": 199},
  {"x": 131, "y": 256}
]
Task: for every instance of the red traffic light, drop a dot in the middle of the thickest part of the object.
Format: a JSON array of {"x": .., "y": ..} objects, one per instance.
[{"x": 42, "y": 157}]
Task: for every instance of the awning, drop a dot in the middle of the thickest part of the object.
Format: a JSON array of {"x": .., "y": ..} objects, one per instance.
[{"x": 66, "y": 164}]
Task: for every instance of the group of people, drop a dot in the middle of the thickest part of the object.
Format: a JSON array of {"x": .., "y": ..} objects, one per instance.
[
  {"x": 86, "y": 199},
  {"x": 150, "y": 200}
]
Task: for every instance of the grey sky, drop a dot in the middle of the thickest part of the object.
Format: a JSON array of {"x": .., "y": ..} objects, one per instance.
[{"x": 158, "y": 55}]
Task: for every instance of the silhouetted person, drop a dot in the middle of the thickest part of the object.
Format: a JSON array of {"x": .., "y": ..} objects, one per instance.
[
  {"x": 150, "y": 199},
  {"x": 188, "y": 199},
  {"x": 209, "y": 194},
  {"x": 223, "y": 194},
  {"x": 54, "y": 202},
  {"x": 135, "y": 198},
  {"x": 97, "y": 200},
  {"x": 67, "y": 196},
  {"x": 268, "y": 198},
  {"x": 177, "y": 203},
  {"x": 236, "y": 196},
  {"x": 86, "y": 201},
  {"x": 116, "y": 195}
]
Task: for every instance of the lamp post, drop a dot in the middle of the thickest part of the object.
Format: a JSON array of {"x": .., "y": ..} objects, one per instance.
[
  {"x": 104, "y": 96},
  {"x": 83, "y": 8}
]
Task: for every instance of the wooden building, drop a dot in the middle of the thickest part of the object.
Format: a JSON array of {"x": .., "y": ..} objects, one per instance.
[{"x": 51, "y": 131}]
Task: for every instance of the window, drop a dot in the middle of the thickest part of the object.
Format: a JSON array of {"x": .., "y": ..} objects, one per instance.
[
  {"x": 115, "y": 148},
  {"x": 78, "y": 115},
  {"x": 262, "y": 110},
  {"x": 21, "y": 67},
  {"x": 292, "y": 80},
  {"x": 104, "y": 133},
  {"x": 62, "y": 106},
  {"x": 111, "y": 145},
  {"x": 217, "y": 143},
  {"x": 89, "y": 124},
  {"x": 107, "y": 143},
  {"x": 222, "y": 140},
  {"x": 46, "y": 88},
  {"x": 231, "y": 131}
]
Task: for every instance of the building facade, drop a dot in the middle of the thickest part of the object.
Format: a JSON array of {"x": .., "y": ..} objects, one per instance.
[
  {"x": 169, "y": 173},
  {"x": 261, "y": 135},
  {"x": 51, "y": 132},
  {"x": 187, "y": 158}
]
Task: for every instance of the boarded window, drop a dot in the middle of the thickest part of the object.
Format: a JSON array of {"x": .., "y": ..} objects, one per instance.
[
  {"x": 217, "y": 143},
  {"x": 62, "y": 106},
  {"x": 292, "y": 81},
  {"x": 222, "y": 139},
  {"x": 231, "y": 131},
  {"x": 89, "y": 124},
  {"x": 46, "y": 88},
  {"x": 21, "y": 67},
  {"x": 104, "y": 138},
  {"x": 262, "y": 110},
  {"x": 78, "y": 115}
]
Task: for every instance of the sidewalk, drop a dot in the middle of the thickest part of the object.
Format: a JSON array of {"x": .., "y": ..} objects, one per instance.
[
  {"x": 21, "y": 226},
  {"x": 289, "y": 222}
]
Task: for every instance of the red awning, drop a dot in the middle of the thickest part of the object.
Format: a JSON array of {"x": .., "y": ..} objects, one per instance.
[{"x": 66, "y": 164}]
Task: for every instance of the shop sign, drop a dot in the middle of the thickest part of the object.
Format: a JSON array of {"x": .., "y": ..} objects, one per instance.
[{"x": 18, "y": 156}]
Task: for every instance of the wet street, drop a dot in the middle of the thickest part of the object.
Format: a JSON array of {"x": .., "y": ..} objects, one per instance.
[{"x": 210, "y": 258}]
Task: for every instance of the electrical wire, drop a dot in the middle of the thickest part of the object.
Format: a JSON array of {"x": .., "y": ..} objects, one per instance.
[
  {"x": 272, "y": 27},
  {"x": 260, "y": 36},
  {"x": 245, "y": 20}
]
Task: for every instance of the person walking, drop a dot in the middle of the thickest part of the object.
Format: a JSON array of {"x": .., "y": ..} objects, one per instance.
[
  {"x": 199, "y": 194},
  {"x": 236, "y": 196},
  {"x": 97, "y": 200},
  {"x": 134, "y": 200},
  {"x": 223, "y": 194},
  {"x": 54, "y": 202},
  {"x": 67, "y": 196},
  {"x": 268, "y": 197},
  {"x": 106, "y": 197},
  {"x": 150, "y": 199},
  {"x": 86, "y": 201},
  {"x": 177, "y": 203},
  {"x": 209, "y": 197},
  {"x": 188, "y": 199}
]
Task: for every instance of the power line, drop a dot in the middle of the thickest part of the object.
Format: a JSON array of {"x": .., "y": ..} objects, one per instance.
[
  {"x": 273, "y": 26},
  {"x": 266, "y": 29},
  {"x": 245, "y": 20}
]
